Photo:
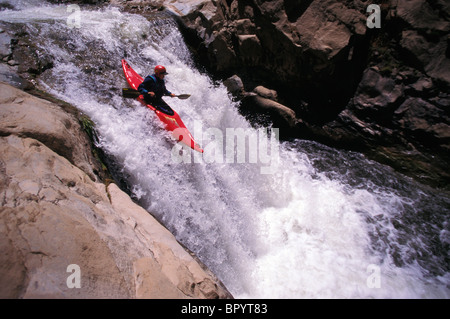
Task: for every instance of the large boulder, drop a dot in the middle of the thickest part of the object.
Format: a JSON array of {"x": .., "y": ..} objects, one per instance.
[
  {"x": 399, "y": 119},
  {"x": 426, "y": 39},
  {"x": 21, "y": 115},
  {"x": 56, "y": 222}
]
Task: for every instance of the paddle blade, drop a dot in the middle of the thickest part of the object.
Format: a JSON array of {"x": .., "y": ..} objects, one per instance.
[
  {"x": 183, "y": 96},
  {"x": 130, "y": 93}
]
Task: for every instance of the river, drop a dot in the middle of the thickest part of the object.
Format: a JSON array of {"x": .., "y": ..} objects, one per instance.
[{"x": 271, "y": 219}]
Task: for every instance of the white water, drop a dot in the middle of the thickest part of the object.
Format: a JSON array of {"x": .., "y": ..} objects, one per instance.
[{"x": 317, "y": 227}]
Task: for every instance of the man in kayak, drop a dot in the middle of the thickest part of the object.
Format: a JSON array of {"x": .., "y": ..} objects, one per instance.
[{"x": 153, "y": 88}]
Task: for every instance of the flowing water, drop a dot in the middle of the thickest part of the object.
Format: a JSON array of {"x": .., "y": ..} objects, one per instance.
[{"x": 289, "y": 219}]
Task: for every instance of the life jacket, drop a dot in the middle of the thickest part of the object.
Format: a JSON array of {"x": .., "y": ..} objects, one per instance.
[{"x": 153, "y": 84}]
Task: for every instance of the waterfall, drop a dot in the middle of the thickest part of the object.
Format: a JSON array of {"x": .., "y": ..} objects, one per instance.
[{"x": 280, "y": 220}]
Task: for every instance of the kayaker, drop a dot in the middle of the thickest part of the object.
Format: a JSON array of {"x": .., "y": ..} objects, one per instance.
[{"x": 154, "y": 88}]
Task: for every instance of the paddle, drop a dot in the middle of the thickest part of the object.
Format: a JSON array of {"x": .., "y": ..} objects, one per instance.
[{"x": 132, "y": 93}]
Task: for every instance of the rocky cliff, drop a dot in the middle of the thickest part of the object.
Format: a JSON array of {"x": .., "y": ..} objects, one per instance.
[
  {"x": 382, "y": 91},
  {"x": 58, "y": 220}
]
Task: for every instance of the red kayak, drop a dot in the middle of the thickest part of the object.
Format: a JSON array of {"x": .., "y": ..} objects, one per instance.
[{"x": 173, "y": 123}]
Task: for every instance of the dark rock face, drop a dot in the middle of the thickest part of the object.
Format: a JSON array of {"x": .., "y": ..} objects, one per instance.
[
  {"x": 291, "y": 46},
  {"x": 383, "y": 91}
]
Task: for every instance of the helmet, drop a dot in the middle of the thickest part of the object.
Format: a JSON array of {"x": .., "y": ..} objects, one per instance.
[{"x": 159, "y": 69}]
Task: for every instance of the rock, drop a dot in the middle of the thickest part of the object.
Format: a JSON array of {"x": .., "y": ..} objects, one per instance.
[
  {"x": 420, "y": 117},
  {"x": 424, "y": 15},
  {"x": 184, "y": 271},
  {"x": 185, "y": 7},
  {"x": 282, "y": 116},
  {"x": 263, "y": 101},
  {"x": 9, "y": 75},
  {"x": 245, "y": 26},
  {"x": 18, "y": 49},
  {"x": 266, "y": 93},
  {"x": 327, "y": 36},
  {"x": 30, "y": 61},
  {"x": 53, "y": 215},
  {"x": 250, "y": 49},
  {"x": 376, "y": 95},
  {"x": 278, "y": 42},
  {"x": 428, "y": 56},
  {"x": 58, "y": 130},
  {"x": 90, "y": 2},
  {"x": 151, "y": 282},
  {"x": 422, "y": 85},
  {"x": 5, "y": 45},
  {"x": 234, "y": 86},
  {"x": 43, "y": 223},
  {"x": 221, "y": 50}
]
